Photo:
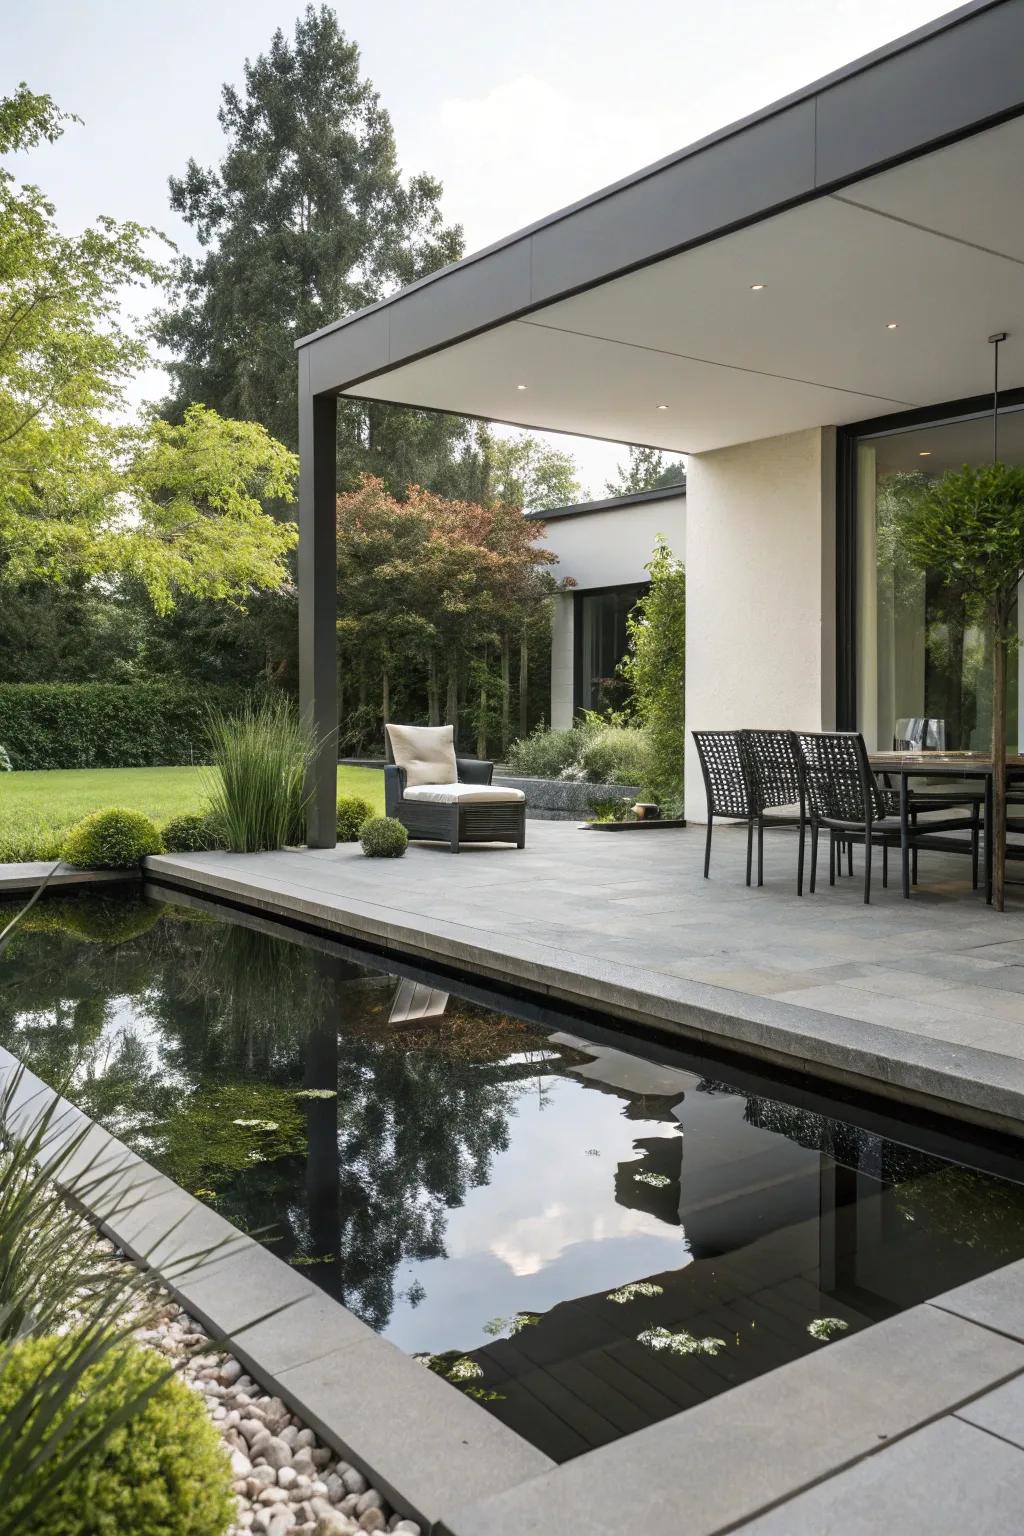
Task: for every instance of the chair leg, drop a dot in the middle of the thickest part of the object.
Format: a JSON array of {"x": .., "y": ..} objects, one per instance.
[
  {"x": 800, "y": 858},
  {"x": 849, "y": 856},
  {"x": 814, "y": 855},
  {"x": 453, "y": 840},
  {"x": 760, "y": 850},
  {"x": 913, "y": 853},
  {"x": 867, "y": 868},
  {"x": 831, "y": 858},
  {"x": 707, "y": 847},
  {"x": 750, "y": 845},
  {"x": 974, "y": 846},
  {"x": 885, "y": 866}
]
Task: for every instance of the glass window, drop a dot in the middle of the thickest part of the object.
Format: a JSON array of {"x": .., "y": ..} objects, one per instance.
[
  {"x": 924, "y": 673},
  {"x": 601, "y": 643}
]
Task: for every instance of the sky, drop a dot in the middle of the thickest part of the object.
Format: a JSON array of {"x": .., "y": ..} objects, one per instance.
[{"x": 517, "y": 109}]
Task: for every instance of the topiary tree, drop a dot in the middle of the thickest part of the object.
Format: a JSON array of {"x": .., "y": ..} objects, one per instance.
[
  {"x": 114, "y": 839},
  {"x": 163, "y": 1472},
  {"x": 353, "y": 812},
  {"x": 656, "y": 669},
  {"x": 383, "y": 837},
  {"x": 968, "y": 529}
]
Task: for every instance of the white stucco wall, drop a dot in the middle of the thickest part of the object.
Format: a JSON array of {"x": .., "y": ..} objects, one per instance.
[
  {"x": 760, "y": 590},
  {"x": 602, "y": 549},
  {"x": 610, "y": 549}
]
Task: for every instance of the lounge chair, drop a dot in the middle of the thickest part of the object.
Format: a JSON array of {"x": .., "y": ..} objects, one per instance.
[{"x": 439, "y": 797}]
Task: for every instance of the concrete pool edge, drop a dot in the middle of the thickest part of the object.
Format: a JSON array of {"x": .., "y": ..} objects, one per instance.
[
  {"x": 427, "y": 1446},
  {"x": 959, "y": 1080}
]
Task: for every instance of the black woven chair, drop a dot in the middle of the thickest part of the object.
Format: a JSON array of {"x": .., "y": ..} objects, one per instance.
[
  {"x": 497, "y": 821},
  {"x": 726, "y": 784},
  {"x": 773, "y": 768}
]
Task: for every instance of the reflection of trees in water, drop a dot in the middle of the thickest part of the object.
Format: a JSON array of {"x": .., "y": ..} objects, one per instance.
[{"x": 165, "y": 1025}]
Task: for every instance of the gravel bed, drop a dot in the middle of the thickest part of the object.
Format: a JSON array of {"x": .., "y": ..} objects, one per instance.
[{"x": 285, "y": 1479}]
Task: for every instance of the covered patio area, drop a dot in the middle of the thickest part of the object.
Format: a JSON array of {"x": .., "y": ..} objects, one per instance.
[{"x": 921, "y": 999}]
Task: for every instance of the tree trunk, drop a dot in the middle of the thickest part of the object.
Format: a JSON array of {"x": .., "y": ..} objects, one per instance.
[
  {"x": 524, "y": 683},
  {"x": 999, "y": 761},
  {"x": 451, "y": 703},
  {"x": 481, "y": 719},
  {"x": 433, "y": 691},
  {"x": 506, "y": 694}
]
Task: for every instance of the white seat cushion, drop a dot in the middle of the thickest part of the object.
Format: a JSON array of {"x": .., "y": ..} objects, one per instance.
[
  {"x": 426, "y": 752},
  {"x": 464, "y": 794}
]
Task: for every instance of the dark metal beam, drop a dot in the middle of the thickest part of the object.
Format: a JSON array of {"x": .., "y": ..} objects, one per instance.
[{"x": 318, "y": 592}]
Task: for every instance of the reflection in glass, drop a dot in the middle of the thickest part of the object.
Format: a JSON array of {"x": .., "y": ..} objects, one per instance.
[
  {"x": 920, "y": 656},
  {"x": 602, "y": 642}
]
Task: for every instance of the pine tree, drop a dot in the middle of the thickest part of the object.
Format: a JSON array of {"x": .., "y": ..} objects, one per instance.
[{"x": 306, "y": 219}]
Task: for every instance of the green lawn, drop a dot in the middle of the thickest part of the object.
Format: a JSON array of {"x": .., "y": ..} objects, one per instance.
[{"x": 36, "y": 807}]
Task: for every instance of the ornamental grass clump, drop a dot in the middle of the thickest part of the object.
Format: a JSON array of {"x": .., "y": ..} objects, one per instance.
[
  {"x": 383, "y": 837},
  {"x": 161, "y": 1473},
  {"x": 261, "y": 757},
  {"x": 192, "y": 832},
  {"x": 114, "y": 839},
  {"x": 353, "y": 813}
]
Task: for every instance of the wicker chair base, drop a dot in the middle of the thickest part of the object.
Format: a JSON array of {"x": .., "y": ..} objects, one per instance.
[{"x": 455, "y": 824}]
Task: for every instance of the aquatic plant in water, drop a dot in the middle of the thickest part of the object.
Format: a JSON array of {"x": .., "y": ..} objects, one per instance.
[
  {"x": 825, "y": 1328},
  {"x": 315, "y": 1093},
  {"x": 227, "y": 1127},
  {"x": 498, "y": 1327},
  {"x": 680, "y": 1342},
  {"x": 655, "y": 1180},
  {"x": 631, "y": 1292}
]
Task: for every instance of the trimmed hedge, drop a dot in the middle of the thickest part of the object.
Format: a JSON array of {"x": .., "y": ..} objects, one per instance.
[{"x": 107, "y": 725}]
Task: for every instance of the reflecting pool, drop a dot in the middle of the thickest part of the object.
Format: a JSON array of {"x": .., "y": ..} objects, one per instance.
[{"x": 584, "y": 1236}]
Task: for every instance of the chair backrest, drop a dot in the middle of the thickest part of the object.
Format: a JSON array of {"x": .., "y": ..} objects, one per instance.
[
  {"x": 726, "y": 775},
  {"x": 838, "y": 776},
  {"x": 773, "y": 766}
]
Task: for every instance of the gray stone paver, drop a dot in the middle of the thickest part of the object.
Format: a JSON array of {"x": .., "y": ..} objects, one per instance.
[
  {"x": 927, "y": 994},
  {"x": 1000, "y": 1412},
  {"x": 945, "y": 1480}
]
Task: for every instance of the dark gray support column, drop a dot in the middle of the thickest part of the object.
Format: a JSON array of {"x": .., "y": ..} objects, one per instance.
[{"x": 318, "y": 590}]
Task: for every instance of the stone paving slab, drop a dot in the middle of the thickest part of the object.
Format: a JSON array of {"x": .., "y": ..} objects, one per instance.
[
  {"x": 945, "y": 1480},
  {"x": 922, "y": 998},
  {"x": 26, "y": 877},
  {"x": 1000, "y": 1413}
]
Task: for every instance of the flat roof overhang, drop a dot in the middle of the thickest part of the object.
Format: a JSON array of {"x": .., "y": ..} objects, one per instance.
[{"x": 887, "y": 194}]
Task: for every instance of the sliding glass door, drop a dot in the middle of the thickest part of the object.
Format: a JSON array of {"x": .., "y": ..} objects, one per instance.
[{"x": 924, "y": 672}]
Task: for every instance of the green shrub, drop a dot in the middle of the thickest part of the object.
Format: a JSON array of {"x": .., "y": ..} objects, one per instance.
[
  {"x": 107, "y": 725},
  {"x": 656, "y": 670},
  {"x": 616, "y": 754},
  {"x": 545, "y": 754},
  {"x": 162, "y": 1473},
  {"x": 383, "y": 837},
  {"x": 261, "y": 756},
  {"x": 353, "y": 811},
  {"x": 114, "y": 839},
  {"x": 192, "y": 832}
]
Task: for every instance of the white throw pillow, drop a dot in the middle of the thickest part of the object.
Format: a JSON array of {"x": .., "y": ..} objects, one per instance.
[{"x": 426, "y": 752}]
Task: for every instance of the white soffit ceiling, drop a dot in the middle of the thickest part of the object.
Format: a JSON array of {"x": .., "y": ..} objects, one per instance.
[{"x": 936, "y": 246}]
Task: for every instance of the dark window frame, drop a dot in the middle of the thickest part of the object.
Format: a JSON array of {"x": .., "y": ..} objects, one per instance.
[
  {"x": 846, "y": 524},
  {"x": 641, "y": 588}
]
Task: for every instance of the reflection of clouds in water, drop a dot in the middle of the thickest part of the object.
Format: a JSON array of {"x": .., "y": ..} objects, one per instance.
[{"x": 533, "y": 1243}]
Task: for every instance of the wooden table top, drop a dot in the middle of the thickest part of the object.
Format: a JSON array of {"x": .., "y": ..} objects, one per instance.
[{"x": 940, "y": 762}]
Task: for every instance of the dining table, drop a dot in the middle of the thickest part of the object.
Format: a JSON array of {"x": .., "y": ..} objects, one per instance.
[{"x": 943, "y": 766}]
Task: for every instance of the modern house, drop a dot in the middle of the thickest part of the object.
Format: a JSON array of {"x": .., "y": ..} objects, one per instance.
[
  {"x": 802, "y": 304},
  {"x": 602, "y": 548}
]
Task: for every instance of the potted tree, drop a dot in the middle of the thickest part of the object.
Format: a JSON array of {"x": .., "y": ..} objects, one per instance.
[{"x": 968, "y": 529}]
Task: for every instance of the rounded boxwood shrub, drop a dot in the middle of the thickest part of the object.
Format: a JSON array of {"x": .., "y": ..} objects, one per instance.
[
  {"x": 383, "y": 837},
  {"x": 161, "y": 1473},
  {"x": 114, "y": 839},
  {"x": 192, "y": 832},
  {"x": 353, "y": 811}
]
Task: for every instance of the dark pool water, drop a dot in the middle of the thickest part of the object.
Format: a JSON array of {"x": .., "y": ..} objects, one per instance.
[{"x": 585, "y": 1237}]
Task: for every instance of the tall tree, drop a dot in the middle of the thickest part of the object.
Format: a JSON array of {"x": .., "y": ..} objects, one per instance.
[
  {"x": 648, "y": 469},
  {"x": 82, "y": 493},
  {"x": 521, "y": 471},
  {"x": 306, "y": 219}
]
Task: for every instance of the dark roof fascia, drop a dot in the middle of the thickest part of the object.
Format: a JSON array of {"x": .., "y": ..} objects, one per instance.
[
  {"x": 945, "y": 81},
  {"x": 611, "y": 503}
]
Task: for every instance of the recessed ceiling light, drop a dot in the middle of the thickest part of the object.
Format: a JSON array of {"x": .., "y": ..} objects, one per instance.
[
  {"x": 925, "y": 453},
  {"x": 520, "y": 386},
  {"x": 662, "y": 407},
  {"x": 892, "y": 325},
  {"x": 756, "y": 287}
]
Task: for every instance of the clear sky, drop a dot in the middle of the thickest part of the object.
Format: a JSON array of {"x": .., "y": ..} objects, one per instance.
[{"x": 517, "y": 108}]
